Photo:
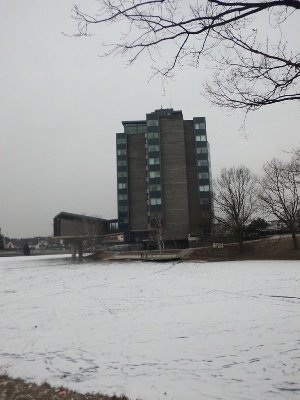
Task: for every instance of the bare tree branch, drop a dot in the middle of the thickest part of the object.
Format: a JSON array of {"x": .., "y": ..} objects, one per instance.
[{"x": 251, "y": 70}]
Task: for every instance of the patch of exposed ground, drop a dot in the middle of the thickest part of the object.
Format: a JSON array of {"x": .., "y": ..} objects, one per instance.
[
  {"x": 279, "y": 248},
  {"x": 17, "y": 389}
]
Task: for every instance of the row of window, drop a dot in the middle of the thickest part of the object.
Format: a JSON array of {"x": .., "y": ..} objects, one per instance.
[
  {"x": 122, "y": 163},
  {"x": 153, "y": 135},
  {"x": 153, "y": 147},
  {"x": 122, "y": 197},
  {"x": 154, "y": 161},
  {"x": 121, "y": 140},
  {"x": 200, "y": 138},
  {"x": 204, "y": 201},
  {"x": 202, "y": 163},
  {"x": 152, "y": 122},
  {"x": 155, "y": 201},
  {"x": 203, "y": 188},
  {"x": 155, "y": 188},
  {"x": 152, "y": 188},
  {"x": 201, "y": 150},
  {"x": 154, "y": 174},
  {"x": 200, "y": 125},
  {"x": 122, "y": 185},
  {"x": 203, "y": 175},
  {"x": 134, "y": 128}
]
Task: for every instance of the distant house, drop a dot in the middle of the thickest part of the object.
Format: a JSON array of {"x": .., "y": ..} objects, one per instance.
[
  {"x": 276, "y": 225},
  {"x": 11, "y": 245}
]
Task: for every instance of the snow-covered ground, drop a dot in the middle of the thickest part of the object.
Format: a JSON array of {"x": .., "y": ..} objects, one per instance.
[{"x": 227, "y": 330}]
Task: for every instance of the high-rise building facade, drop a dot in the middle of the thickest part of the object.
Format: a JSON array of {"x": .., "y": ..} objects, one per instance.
[{"x": 163, "y": 173}]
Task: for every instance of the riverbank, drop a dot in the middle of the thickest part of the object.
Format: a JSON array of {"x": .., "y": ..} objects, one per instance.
[
  {"x": 33, "y": 252},
  {"x": 18, "y": 389},
  {"x": 271, "y": 248}
]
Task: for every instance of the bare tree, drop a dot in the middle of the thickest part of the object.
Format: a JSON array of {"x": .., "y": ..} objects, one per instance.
[
  {"x": 93, "y": 232},
  {"x": 280, "y": 193},
  {"x": 235, "y": 200},
  {"x": 296, "y": 162},
  {"x": 157, "y": 228},
  {"x": 242, "y": 40}
]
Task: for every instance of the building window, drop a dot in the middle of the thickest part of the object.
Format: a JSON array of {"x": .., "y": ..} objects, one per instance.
[
  {"x": 154, "y": 174},
  {"x": 121, "y": 140},
  {"x": 153, "y": 147},
  {"x": 202, "y": 163},
  {"x": 204, "y": 201},
  {"x": 122, "y": 185},
  {"x": 123, "y": 208},
  {"x": 153, "y": 135},
  {"x": 154, "y": 188},
  {"x": 122, "y": 163},
  {"x": 152, "y": 122},
  {"x": 122, "y": 197},
  {"x": 156, "y": 201},
  {"x": 123, "y": 220},
  {"x": 200, "y": 138},
  {"x": 134, "y": 128},
  {"x": 122, "y": 174},
  {"x": 203, "y": 175},
  {"x": 200, "y": 125},
  {"x": 154, "y": 161},
  {"x": 121, "y": 152},
  {"x": 204, "y": 188},
  {"x": 201, "y": 150}
]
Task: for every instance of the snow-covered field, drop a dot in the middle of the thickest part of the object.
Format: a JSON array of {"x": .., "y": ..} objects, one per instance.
[{"x": 227, "y": 330}]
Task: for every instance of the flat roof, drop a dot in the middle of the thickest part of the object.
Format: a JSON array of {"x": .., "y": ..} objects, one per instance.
[
  {"x": 138, "y": 122},
  {"x": 81, "y": 216}
]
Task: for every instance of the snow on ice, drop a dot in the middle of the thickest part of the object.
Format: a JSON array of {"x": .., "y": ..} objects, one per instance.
[{"x": 227, "y": 330}]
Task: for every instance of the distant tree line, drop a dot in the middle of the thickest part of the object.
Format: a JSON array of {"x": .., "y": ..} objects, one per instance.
[{"x": 241, "y": 198}]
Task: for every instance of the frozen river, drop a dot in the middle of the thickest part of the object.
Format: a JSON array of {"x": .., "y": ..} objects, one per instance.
[{"x": 227, "y": 330}]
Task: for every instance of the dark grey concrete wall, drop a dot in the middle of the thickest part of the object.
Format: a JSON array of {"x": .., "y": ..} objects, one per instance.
[
  {"x": 80, "y": 227},
  {"x": 174, "y": 178},
  {"x": 137, "y": 184}
]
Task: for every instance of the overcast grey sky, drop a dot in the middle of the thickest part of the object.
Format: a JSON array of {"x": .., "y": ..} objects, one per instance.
[{"x": 61, "y": 105}]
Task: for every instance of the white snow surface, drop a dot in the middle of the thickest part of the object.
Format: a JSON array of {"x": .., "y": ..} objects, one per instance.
[{"x": 227, "y": 330}]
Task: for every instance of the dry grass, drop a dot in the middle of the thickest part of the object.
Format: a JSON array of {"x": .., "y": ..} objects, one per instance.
[
  {"x": 280, "y": 248},
  {"x": 17, "y": 389}
]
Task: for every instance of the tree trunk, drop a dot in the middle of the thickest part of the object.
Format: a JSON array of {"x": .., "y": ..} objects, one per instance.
[
  {"x": 241, "y": 245},
  {"x": 240, "y": 239},
  {"x": 295, "y": 241}
]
